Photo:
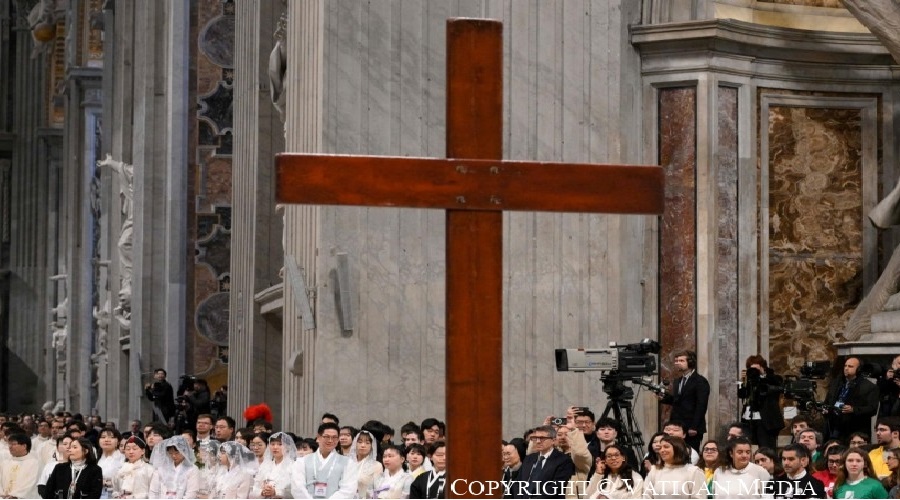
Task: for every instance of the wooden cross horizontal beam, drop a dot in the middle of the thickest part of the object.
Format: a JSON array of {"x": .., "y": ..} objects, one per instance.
[{"x": 465, "y": 184}]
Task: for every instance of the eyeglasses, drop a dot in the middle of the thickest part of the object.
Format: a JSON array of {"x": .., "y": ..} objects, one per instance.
[
  {"x": 710, "y": 449},
  {"x": 329, "y": 438},
  {"x": 838, "y": 461},
  {"x": 535, "y": 439}
]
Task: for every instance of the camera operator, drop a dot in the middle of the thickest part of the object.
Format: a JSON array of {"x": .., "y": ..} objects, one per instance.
[
  {"x": 851, "y": 402},
  {"x": 889, "y": 390},
  {"x": 197, "y": 396},
  {"x": 689, "y": 398},
  {"x": 162, "y": 395},
  {"x": 219, "y": 402},
  {"x": 760, "y": 388}
]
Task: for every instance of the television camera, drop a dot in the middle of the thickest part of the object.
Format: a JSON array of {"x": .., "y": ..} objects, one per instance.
[
  {"x": 802, "y": 389},
  {"x": 619, "y": 364}
]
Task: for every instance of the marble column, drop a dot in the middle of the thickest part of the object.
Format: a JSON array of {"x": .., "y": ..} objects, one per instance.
[
  {"x": 32, "y": 238},
  {"x": 178, "y": 112},
  {"x": 303, "y": 132},
  {"x": 255, "y": 357}
]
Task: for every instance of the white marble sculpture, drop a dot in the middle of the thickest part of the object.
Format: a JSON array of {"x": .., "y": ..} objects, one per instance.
[
  {"x": 60, "y": 322},
  {"x": 125, "y": 172},
  {"x": 882, "y": 304},
  {"x": 277, "y": 70}
]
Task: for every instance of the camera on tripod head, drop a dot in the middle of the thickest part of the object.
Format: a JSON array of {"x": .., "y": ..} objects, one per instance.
[
  {"x": 622, "y": 361},
  {"x": 803, "y": 389}
]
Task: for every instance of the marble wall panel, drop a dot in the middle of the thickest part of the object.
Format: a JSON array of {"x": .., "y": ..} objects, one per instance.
[
  {"x": 814, "y": 230},
  {"x": 726, "y": 278},
  {"x": 210, "y": 190},
  {"x": 678, "y": 225},
  {"x": 836, "y": 4}
]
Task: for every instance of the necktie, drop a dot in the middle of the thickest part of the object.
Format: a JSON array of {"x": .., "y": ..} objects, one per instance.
[
  {"x": 540, "y": 464},
  {"x": 681, "y": 386}
]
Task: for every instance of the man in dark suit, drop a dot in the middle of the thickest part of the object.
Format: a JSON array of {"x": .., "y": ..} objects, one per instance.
[
  {"x": 546, "y": 472},
  {"x": 689, "y": 397},
  {"x": 851, "y": 402}
]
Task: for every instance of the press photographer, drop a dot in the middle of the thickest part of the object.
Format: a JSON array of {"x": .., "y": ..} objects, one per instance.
[
  {"x": 760, "y": 388},
  {"x": 851, "y": 403},
  {"x": 889, "y": 390},
  {"x": 193, "y": 399},
  {"x": 162, "y": 395}
]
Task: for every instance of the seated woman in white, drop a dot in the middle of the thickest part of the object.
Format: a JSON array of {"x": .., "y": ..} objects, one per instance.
[
  {"x": 133, "y": 478},
  {"x": 364, "y": 451},
  {"x": 394, "y": 481},
  {"x": 176, "y": 476},
  {"x": 237, "y": 466},
  {"x": 274, "y": 477}
]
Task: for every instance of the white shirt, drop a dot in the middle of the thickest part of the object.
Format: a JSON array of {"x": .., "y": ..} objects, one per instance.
[
  {"x": 19, "y": 476},
  {"x": 749, "y": 482}
]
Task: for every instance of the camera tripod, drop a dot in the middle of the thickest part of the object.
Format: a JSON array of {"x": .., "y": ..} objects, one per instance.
[{"x": 620, "y": 409}]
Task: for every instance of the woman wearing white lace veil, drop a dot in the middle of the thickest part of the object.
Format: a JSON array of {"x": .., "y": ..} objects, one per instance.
[
  {"x": 208, "y": 466},
  {"x": 274, "y": 477},
  {"x": 133, "y": 478},
  {"x": 176, "y": 475},
  {"x": 364, "y": 451},
  {"x": 237, "y": 466}
]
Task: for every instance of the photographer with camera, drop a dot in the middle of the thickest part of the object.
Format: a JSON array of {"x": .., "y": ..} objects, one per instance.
[
  {"x": 889, "y": 390},
  {"x": 760, "y": 388},
  {"x": 851, "y": 403},
  {"x": 162, "y": 395},
  {"x": 570, "y": 441}
]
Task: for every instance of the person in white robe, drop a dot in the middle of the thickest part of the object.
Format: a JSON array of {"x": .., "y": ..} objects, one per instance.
[
  {"x": 394, "y": 481},
  {"x": 274, "y": 477},
  {"x": 175, "y": 475},
  {"x": 208, "y": 465},
  {"x": 111, "y": 459},
  {"x": 19, "y": 473},
  {"x": 237, "y": 466},
  {"x": 364, "y": 451},
  {"x": 132, "y": 480},
  {"x": 325, "y": 473}
]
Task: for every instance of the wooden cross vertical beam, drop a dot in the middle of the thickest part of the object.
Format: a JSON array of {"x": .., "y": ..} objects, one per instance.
[{"x": 474, "y": 258}]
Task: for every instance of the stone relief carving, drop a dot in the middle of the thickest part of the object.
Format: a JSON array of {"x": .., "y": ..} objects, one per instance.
[
  {"x": 60, "y": 323},
  {"x": 122, "y": 311},
  {"x": 278, "y": 66}
]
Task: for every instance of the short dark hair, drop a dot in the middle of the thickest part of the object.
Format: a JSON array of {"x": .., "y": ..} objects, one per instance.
[
  {"x": 430, "y": 422},
  {"x": 228, "y": 420},
  {"x": 690, "y": 355},
  {"x": 586, "y": 413},
  {"x": 676, "y": 423},
  {"x": 324, "y": 426},
  {"x": 435, "y": 445},
  {"x": 192, "y": 432},
  {"x": 893, "y": 423},
  {"x": 20, "y": 438},
  {"x": 112, "y": 432},
  {"x": 165, "y": 373},
  {"x": 409, "y": 427},
  {"x": 797, "y": 448},
  {"x": 332, "y": 416},
  {"x": 728, "y": 457},
  {"x": 418, "y": 448},
  {"x": 606, "y": 422},
  {"x": 161, "y": 429}
]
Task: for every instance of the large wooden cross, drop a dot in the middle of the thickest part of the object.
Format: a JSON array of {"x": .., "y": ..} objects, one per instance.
[{"x": 474, "y": 186}]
